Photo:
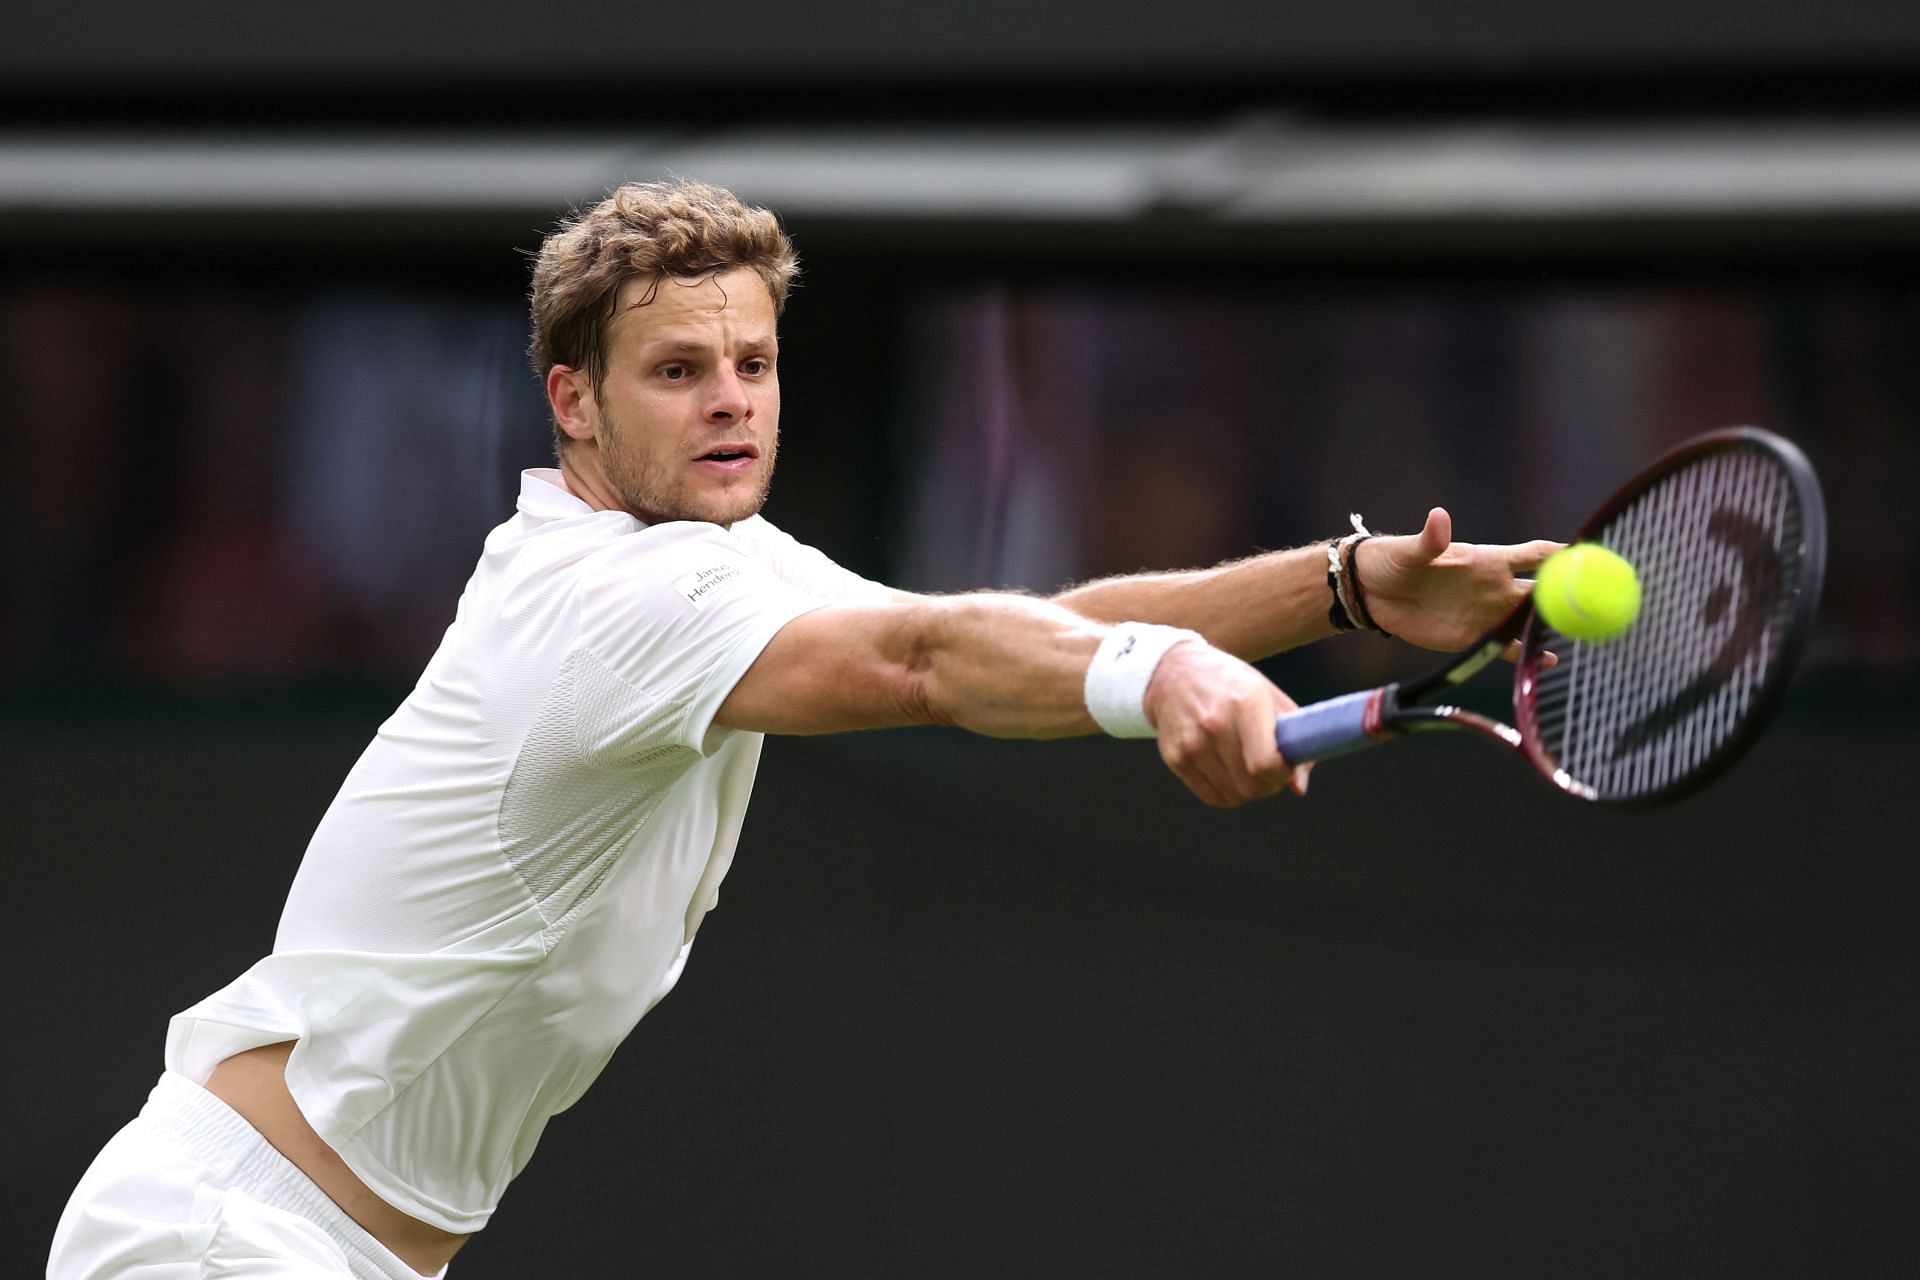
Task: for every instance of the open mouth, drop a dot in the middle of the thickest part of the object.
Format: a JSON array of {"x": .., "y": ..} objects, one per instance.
[
  {"x": 735, "y": 456},
  {"x": 731, "y": 452}
]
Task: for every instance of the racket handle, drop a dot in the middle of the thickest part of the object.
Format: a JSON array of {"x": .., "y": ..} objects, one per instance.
[{"x": 1333, "y": 727}]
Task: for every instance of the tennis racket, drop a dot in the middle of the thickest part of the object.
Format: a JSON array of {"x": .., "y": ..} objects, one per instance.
[{"x": 1729, "y": 535}]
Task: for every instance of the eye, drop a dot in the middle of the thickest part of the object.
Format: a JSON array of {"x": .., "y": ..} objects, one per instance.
[
  {"x": 675, "y": 372},
  {"x": 756, "y": 366}
]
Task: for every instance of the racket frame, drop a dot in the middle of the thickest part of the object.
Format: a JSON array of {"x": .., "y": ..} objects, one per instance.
[
  {"x": 1810, "y": 580},
  {"x": 1411, "y": 706}
]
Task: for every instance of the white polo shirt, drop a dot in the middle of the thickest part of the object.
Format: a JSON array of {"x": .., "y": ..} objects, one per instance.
[{"x": 513, "y": 873}]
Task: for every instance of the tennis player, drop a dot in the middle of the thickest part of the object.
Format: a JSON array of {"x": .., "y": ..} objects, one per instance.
[{"x": 515, "y": 870}]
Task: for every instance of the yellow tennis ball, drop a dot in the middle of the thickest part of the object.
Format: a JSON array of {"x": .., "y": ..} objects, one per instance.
[{"x": 1587, "y": 592}]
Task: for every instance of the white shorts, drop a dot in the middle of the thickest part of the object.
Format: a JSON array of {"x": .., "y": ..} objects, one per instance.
[{"x": 191, "y": 1191}]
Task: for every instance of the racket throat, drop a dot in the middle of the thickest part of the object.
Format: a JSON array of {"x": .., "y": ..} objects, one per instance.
[
  {"x": 1416, "y": 719},
  {"x": 1469, "y": 665}
]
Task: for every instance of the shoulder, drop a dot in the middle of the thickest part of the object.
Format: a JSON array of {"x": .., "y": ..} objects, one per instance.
[
  {"x": 760, "y": 534},
  {"x": 658, "y": 551},
  {"x": 668, "y": 571}
]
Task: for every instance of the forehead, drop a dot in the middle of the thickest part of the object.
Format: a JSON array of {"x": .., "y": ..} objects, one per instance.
[{"x": 735, "y": 300}]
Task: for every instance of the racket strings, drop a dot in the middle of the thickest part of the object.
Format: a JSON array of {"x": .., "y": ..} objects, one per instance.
[{"x": 1716, "y": 546}]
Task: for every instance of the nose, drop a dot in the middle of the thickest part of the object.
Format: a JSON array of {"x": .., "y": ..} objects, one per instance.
[{"x": 729, "y": 402}]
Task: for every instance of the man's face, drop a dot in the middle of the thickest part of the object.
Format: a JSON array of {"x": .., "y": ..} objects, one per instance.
[{"x": 689, "y": 404}]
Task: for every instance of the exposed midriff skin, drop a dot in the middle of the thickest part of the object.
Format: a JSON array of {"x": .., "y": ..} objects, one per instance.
[{"x": 254, "y": 1084}]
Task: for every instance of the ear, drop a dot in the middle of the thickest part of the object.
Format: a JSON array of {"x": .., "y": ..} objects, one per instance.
[{"x": 571, "y": 399}]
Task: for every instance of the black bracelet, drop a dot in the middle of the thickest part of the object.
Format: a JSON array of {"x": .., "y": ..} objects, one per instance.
[
  {"x": 1337, "y": 611},
  {"x": 1359, "y": 593}
]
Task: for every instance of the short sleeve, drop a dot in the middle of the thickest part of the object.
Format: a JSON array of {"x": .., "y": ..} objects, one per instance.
[
  {"x": 670, "y": 618},
  {"x": 808, "y": 569}
]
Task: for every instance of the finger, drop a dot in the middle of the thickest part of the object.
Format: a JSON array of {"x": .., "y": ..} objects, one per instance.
[
  {"x": 1299, "y": 784},
  {"x": 1203, "y": 789},
  {"x": 1211, "y": 746},
  {"x": 1197, "y": 781},
  {"x": 1548, "y": 658},
  {"x": 1224, "y": 742},
  {"x": 1193, "y": 773},
  {"x": 1223, "y": 774},
  {"x": 1437, "y": 534},
  {"x": 1529, "y": 556},
  {"x": 1259, "y": 754}
]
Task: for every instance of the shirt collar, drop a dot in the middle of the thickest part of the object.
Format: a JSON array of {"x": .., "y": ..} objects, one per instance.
[{"x": 543, "y": 493}]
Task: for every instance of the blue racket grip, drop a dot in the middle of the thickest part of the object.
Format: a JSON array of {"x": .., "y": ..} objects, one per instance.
[{"x": 1333, "y": 727}]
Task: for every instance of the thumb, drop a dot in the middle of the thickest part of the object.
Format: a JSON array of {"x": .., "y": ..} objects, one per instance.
[{"x": 1435, "y": 536}]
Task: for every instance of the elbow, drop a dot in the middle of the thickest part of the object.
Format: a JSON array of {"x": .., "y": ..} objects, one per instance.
[
  {"x": 915, "y": 670},
  {"x": 988, "y": 663},
  {"x": 917, "y": 697}
]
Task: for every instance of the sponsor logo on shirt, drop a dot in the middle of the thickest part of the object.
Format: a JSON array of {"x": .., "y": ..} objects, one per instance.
[{"x": 700, "y": 585}]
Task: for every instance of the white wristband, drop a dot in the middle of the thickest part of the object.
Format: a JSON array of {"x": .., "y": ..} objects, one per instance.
[{"x": 1118, "y": 676}]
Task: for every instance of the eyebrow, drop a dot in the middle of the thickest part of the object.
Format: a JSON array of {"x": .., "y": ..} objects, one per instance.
[{"x": 674, "y": 346}]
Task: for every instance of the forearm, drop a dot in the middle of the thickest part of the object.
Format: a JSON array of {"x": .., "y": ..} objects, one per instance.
[
  {"x": 1010, "y": 666},
  {"x": 1251, "y": 608}
]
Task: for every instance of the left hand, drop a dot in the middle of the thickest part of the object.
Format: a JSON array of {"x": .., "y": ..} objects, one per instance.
[{"x": 1431, "y": 591}]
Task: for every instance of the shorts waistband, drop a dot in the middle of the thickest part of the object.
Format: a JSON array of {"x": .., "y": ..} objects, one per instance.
[{"x": 221, "y": 1139}]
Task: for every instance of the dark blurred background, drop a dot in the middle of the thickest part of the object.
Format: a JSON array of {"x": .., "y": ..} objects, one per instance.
[{"x": 1088, "y": 289}]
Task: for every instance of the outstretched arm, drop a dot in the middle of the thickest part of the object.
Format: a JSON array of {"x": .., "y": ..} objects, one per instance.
[
  {"x": 1424, "y": 588},
  {"x": 1008, "y": 666},
  {"x": 1251, "y": 608}
]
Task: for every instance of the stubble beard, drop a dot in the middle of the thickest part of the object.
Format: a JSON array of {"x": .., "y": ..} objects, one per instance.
[{"x": 656, "y": 495}]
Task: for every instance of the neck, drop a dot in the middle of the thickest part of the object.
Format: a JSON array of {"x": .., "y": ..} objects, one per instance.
[{"x": 586, "y": 481}]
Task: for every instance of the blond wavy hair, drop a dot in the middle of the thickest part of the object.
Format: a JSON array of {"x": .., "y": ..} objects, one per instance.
[{"x": 655, "y": 229}]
